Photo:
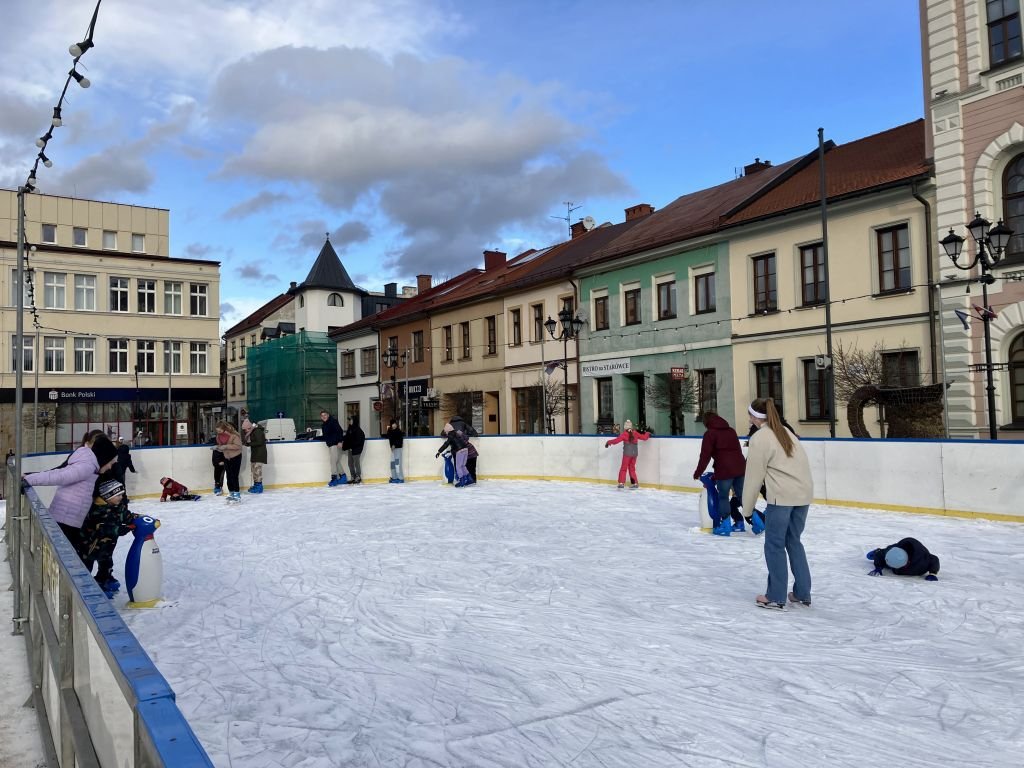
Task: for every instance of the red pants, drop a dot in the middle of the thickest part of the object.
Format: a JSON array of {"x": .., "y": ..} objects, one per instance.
[{"x": 628, "y": 464}]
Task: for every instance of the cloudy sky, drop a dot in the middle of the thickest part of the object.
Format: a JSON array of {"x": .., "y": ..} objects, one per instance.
[{"x": 421, "y": 132}]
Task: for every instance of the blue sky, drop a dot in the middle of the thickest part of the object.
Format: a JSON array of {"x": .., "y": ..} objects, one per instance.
[{"x": 420, "y": 133}]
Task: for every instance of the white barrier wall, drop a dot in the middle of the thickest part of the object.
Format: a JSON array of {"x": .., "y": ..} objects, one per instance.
[{"x": 969, "y": 478}]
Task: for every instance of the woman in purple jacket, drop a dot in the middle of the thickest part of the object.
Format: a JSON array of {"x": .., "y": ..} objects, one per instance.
[{"x": 76, "y": 481}]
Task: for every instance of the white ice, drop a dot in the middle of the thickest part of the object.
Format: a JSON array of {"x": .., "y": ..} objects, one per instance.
[{"x": 563, "y": 624}]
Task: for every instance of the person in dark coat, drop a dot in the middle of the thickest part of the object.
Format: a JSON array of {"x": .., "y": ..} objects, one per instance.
[
  {"x": 333, "y": 434},
  {"x": 721, "y": 444},
  {"x": 255, "y": 436},
  {"x": 124, "y": 464},
  {"x": 108, "y": 519},
  {"x": 396, "y": 437},
  {"x": 907, "y": 557},
  {"x": 353, "y": 442}
]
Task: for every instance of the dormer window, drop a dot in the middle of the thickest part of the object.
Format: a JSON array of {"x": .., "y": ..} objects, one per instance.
[{"x": 335, "y": 300}]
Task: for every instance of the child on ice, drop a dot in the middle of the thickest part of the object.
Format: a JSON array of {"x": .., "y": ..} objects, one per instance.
[
  {"x": 107, "y": 520},
  {"x": 907, "y": 557},
  {"x": 630, "y": 440},
  {"x": 175, "y": 491}
]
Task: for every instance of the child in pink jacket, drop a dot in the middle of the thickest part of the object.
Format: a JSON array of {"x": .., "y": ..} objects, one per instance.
[{"x": 630, "y": 440}]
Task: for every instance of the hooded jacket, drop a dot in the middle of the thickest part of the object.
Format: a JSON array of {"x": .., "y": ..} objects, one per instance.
[
  {"x": 354, "y": 439},
  {"x": 77, "y": 480},
  {"x": 256, "y": 437},
  {"x": 919, "y": 560},
  {"x": 332, "y": 431},
  {"x": 721, "y": 443}
]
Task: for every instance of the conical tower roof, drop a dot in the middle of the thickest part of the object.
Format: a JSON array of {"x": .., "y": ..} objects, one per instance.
[{"x": 328, "y": 273}]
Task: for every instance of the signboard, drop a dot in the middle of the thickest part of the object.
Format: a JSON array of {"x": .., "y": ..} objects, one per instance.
[
  {"x": 605, "y": 367},
  {"x": 428, "y": 403},
  {"x": 378, "y": 405},
  {"x": 416, "y": 388},
  {"x": 182, "y": 427},
  {"x": 681, "y": 373}
]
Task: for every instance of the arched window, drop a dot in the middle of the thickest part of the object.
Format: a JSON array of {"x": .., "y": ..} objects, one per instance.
[
  {"x": 335, "y": 300},
  {"x": 1016, "y": 361},
  {"x": 1013, "y": 205},
  {"x": 302, "y": 301}
]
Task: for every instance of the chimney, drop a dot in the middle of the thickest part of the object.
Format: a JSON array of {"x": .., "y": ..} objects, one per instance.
[
  {"x": 639, "y": 211},
  {"x": 423, "y": 283},
  {"x": 390, "y": 289},
  {"x": 577, "y": 229},
  {"x": 493, "y": 260},
  {"x": 293, "y": 284},
  {"x": 756, "y": 166}
]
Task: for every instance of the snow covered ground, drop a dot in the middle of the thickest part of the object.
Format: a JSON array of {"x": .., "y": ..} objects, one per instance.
[{"x": 547, "y": 624}]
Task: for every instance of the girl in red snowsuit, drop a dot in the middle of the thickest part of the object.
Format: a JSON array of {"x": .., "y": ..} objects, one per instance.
[
  {"x": 175, "y": 491},
  {"x": 630, "y": 449}
]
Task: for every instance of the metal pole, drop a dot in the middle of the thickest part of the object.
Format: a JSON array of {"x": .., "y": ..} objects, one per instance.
[
  {"x": 565, "y": 367},
  {"x": 830, "y": 370},
  {"x": 35, "y": 416},
  {"x": 170, "y": 432},
  {"x": 407, "y": 355},
  {"x": 543, "y": 390},
  {"x": 19, "y": 364},
  {"x": 991, "y": 387},
  {"x": 942, "y": 357}
]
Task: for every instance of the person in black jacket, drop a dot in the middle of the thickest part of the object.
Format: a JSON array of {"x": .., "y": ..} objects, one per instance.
[
  {"x": 124, "y": 463},
  {"x": 333, "y": 435},
  {"x": 907, "y": 557},
  {"x": 395, "y": 437},
  {"x": 353, "y": 442}
]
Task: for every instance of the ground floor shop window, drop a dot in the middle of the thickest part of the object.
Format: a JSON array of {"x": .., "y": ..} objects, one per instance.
[{"x": 529, "y": 411}]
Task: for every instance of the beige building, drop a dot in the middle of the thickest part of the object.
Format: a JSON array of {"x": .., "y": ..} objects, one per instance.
[
  {"x": 117, "y": 335},
  {"x": 274, "y": 319}
]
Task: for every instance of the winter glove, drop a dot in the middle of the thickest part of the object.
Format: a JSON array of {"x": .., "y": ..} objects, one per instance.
[
  {"x": 931, "y": 577},
  {"x": 607, "y": 443},
  {"x": 696, "y": 475},
  {"x": 875, "y": 572}
]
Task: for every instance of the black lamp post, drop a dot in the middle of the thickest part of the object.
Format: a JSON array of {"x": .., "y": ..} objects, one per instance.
[
  {"x": 991, "y": 244},
  {"x": 570, "y": 329},
  {"x": 394, "y": 360}
]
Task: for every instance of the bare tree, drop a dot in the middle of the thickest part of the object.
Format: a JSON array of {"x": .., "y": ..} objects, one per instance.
[
  {"x": 553, "y": 399},
  {"x": 678, "y": 397},
  {"x": 459, "y": 403}
]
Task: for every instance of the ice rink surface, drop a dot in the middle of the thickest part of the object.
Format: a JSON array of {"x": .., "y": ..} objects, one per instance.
[{"x": 559, "y": 624}]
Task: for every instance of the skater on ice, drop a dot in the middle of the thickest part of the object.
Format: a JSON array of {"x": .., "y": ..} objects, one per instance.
[
  {"x": 229, "y": 446},
  {"x": 108, "y": 520},
  {"x": 907, "y": 557},
  {"x": 175, "y": 491},
  {"x": 721, "y": 444},
  {"x": 333, "y": 434},
  {"x": 777, "y": 459},
  {"x": 630, "y": 440},
  {"x": 353, "y": 444},
  {"x": 459, "y": 444},
  {"x": 395, "y": 437},
  {"x": 255, "y": 437}
]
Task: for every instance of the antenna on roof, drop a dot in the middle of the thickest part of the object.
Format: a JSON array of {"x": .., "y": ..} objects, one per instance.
[{"x": 569, "y": 208}]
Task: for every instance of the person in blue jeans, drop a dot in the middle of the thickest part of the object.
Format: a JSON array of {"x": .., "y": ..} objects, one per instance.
[{"x": 777, "y": 459}]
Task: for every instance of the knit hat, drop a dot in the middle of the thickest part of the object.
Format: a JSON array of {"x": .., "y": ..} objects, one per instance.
[
  {"x": 628, "y": 424},
  {"x": 110, "y": 489},
  {"x": 896, "y": 557},
  {"x": 104, "y": 450}
]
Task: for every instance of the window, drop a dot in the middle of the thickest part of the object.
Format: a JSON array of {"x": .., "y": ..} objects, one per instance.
[
  {"x": 1003, "y": 30},
  {"x": 147, "y": 296},
  {"x": 393, "y": 345},
  {"x": 109, "y": 240},
  {"x": 380, "y": 306},
  {"x": 145, "y": 356},
  {"x": 538, "y": 322},
  {"x": 335, "y": 300},
  {"x": 901, "y": 369},
  {"x": 85, "y": 292},
  {"x": 232, "y": 393},
  {"x": 302, "y": 301},
  {"x": 667, "y": 300},
  {"x": 138, "y": 243},
  {"x": 85, "y": 355},
  {"x": 172, "y": 298},
  {"x": 894, "y": 259},
  {"x": 27, "y": 356},
  {"x": 368, "y": 361},
  {"x": 1013, "y": 206},
  {"x": 234, "y": 352},
  {"x": 812, "y": 275},
  {"x": 1015, "y": 358},
  {"x": 707, "y": 390},
  {"x": 449, "y": 353},
  {"x": 53, "y": 289},
  {"x": 417, "y": 346},
  {"x": 53, "y": 354},
  {"x": 79, "y": 237},
  {"x": 529, "y": 411},
  {"x": 351, "y": 411},
  {"x": 631, "y": 304},
  {"x": 197, "y": 299},
  {"x": 241, "y": 348},
  {"x": 704, "y": 293},
  {"x": 769, "y": 382},
  {"x": 197, "y": 356},
  {"x": 605, "y": 413},
  {"x": 49, "y": 234},
  {"x": 765, "y": 296},
  {"x": 172, "y": 357},
  {"x": 601, "y": 313},
  {"x": 467, "y": 348},
  {"x": 241, "y": 384},
  {"x": 119, "y": 294},
  {"x": 816, "y": 400},
  {"x": 252, "y": 340},
  {"x": 348, "y": 364},
  {"x": 492, "y": 335},
  {"x": 517, "y": 327},
  {"x": 119, "y": 355},
  {"x": 569, "y": 303}
]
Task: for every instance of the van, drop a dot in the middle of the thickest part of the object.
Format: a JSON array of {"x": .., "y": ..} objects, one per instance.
[{"x": 279, "y": 429}]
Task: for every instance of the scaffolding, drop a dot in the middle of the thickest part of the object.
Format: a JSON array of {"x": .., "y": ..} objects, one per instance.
[{"x": 294, "y": 375}]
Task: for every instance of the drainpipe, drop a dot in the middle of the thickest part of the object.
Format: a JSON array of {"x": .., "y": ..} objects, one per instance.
[{"x": 934, "y": 316}]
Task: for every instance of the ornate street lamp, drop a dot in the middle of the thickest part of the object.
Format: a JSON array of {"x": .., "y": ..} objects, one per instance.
[
  {"x": 991, "y": 245},
  {"x": 393, "y": 360},
  {"x": 570, "y": 329}
]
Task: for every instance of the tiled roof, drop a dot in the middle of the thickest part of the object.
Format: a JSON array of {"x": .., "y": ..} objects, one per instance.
[
  {"x": 328, "y": 272},
  {"x": 257, "y": 317}
]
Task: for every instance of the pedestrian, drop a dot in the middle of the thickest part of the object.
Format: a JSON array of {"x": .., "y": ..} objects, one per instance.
[
  {"x": 231, "y": 450},
  {"x": 721, "y": 444},
  {"x": 255, "y": 436},
  {"x": 353, "y": 442},
  {"x": 396, "y": 438},
  {"x": 777, "y": 459},
  {"x": 124, "y": 463},
  {"x": 630, "y": 440},
  {"x": 907, "y": 557},
  {"x": 333, "y": 434},
  {"x": 108, "y": 519}
]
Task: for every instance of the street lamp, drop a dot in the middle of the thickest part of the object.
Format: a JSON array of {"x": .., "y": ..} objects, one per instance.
[
  {"x": 394, "y": 360},
  {"x": 570, "y": 329},
  {"x": 991, "y": 244}
]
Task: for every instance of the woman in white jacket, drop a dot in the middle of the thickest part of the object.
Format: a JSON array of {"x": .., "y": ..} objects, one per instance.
[{"x": 777, "y": 459}]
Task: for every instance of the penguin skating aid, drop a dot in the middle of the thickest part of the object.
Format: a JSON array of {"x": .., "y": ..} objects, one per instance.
[{"x": 144, "y": 569}]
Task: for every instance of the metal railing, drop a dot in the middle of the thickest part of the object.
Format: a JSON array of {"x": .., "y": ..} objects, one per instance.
[{"x": 100, "y": 699}]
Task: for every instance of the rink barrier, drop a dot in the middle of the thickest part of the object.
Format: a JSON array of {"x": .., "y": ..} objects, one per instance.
[
  {"x": 99, "y": 698},
  {"x": 956, "y": 478}
]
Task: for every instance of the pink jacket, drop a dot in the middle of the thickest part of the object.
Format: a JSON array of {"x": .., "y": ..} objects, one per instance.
[
  {"x": 630, "y": 442},
  {"x": 77, "y": 482}
]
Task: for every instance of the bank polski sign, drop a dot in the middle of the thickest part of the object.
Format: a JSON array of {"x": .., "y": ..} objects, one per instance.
[{"x": 606, "y": 367}]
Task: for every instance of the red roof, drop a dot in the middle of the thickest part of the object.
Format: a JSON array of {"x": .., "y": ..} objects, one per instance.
[{"x": 259, "y": 315}]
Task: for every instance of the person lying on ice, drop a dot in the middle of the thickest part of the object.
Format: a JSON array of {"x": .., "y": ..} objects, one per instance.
[
  {"x": 630, "y": 450},
  {"x": 907, "y": 557},
  {"x": 108, "y": 519},
  {"x": 175, "y": 491}
]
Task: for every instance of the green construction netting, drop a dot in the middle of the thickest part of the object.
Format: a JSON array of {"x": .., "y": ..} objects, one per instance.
[{"x": 295, "y": 375}]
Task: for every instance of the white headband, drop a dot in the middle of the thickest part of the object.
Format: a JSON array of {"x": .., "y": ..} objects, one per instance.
[{"x": 756, "y": 414}]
